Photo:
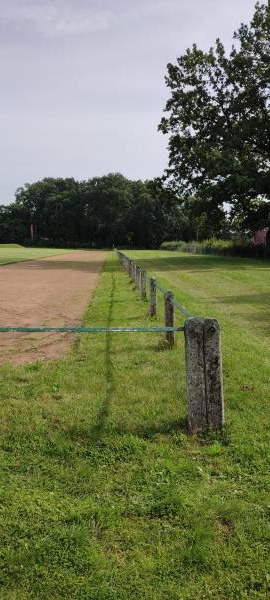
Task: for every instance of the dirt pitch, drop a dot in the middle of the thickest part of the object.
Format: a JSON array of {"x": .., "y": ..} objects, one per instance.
[{"x": 51, "y": 292}]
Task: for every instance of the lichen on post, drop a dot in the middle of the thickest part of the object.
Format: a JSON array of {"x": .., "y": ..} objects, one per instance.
[
  {"x": 169, "y": 316},
  {"x": 204, "y": 375}
]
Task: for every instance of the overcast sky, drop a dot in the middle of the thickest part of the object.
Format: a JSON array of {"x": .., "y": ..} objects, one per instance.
[{"x": 82, "y": 82}]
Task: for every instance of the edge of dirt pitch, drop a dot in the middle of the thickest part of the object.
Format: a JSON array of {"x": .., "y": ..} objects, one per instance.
[{"x": 53, "y": 291}]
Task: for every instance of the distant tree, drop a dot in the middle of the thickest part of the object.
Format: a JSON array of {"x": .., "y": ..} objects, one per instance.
[
  {"x": 218, "y": 120},
  {"x": 257, "y": 217},
  {"x": 152, "y": 209},
  {"x": 13, "y": 224},
  {"x": 200, "y": 226},
  {"x": 100, "y": 211},
  {"x": 35, "y": 198},
  {"x": 108, "y": 201}
]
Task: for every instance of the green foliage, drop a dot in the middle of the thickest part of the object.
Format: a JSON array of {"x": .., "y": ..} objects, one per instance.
[
  {"x": 172, "y": 245},
  {"x": 104, "y": 495},
  {"x": 211, "y": 243},
  {"x": 99, "y": 212},
  {"x": 234, "y": 247},
  {"x": 13, "y": 224},
  {"x": 221, "y": 244},
  {"x": 218, "y": 121},
  {"x": 256, "y": 217},
  {"x": 196, "y": 223}
]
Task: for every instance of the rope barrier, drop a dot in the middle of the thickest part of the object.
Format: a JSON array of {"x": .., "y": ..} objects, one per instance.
[
  {"x": 159, "y": 287},
  {"x": 180, "y": 307},
  {"x": 90, "y": 329}
]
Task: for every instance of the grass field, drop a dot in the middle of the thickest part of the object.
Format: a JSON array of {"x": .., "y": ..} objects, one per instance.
[
  {"x": 12, "y": 253},
  {"x": 105, "y": 496}
]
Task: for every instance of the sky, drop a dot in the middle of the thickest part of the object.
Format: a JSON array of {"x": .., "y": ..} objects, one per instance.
[{"x": 82, "y": 86}]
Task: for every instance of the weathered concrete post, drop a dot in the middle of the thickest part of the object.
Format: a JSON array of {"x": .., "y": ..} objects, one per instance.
[
  {"x": 169, "y": 316},
  {"x": 134, "y": 273},
  {"x": 153, "y": 298},
  {"x": 204, "y": 375},
  {"x": 143, "y": 285},
  {"x": 138, "y": 277},
  {"x": 130, "y": 268}
]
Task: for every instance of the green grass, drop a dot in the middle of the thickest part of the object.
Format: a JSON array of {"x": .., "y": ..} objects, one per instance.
[
  {"x": 105, "y": 496},
  {"x": 11, "y": 246},
  {"x": 12, "y": 253}
]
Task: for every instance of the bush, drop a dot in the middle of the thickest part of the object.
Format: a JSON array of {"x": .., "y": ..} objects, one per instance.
[
  {"x": 237, "y": 247},
  {"x": 172, "y": 245}
]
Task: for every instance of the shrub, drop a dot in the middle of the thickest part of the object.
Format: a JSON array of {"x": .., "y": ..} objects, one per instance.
[{"x": 237, "y": 247}]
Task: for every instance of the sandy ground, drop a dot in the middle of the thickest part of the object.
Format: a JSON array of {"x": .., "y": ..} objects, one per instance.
[{"x": 53, "y": 292}]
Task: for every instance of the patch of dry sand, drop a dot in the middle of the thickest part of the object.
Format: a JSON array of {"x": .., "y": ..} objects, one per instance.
[{"x": 52, "y": 291}]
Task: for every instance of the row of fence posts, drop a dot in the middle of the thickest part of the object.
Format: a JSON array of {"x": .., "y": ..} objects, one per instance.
[
  {"x": 202, "y": 354},
  {"x": 139, "y": 277}
]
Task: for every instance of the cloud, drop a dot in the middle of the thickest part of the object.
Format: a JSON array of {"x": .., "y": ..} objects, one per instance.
[{"x": 57, "y": 17}]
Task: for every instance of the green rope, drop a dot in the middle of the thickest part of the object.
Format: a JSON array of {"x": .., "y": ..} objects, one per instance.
[
  {"x": 90, "y": 329},
  {"x": 161, "y": 289},
  {"x": 181, "y": 308}
]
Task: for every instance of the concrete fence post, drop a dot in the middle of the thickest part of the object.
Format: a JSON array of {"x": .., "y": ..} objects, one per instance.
[
  {"x": 134, "y": 273},
  {"x": 169, "y": 316},
  {"x": 204, "y": 375},
  {"x": 138, "y": 277},
  {"x": 153, "y": 298},
  {"x": 143, "y": 285},
  {"x": 130, "y": 268}
]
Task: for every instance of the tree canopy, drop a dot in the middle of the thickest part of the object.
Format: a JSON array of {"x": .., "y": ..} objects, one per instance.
[
  {"x": 218, "y": 121},
  {"x": 98, "y": 212}
]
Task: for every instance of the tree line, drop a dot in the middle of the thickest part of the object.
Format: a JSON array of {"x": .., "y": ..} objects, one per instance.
[
  {"x": 98, "y": 212},
  {"x": 101, "y": 212}
]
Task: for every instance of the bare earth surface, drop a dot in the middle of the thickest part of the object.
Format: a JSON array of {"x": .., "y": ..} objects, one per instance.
[{"x": 53, "y": 292}]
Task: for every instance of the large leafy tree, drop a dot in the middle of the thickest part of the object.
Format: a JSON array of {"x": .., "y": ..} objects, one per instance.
[
  {"x": 107, "y": 202},
  {"x": 43, "y": 202},
  {"x": 218, "y": 120}
]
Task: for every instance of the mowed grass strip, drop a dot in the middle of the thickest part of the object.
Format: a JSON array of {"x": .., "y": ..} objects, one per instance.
[
  {"x": 13, "y": 253},
  {"x": 105, "y": 495}
]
